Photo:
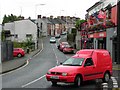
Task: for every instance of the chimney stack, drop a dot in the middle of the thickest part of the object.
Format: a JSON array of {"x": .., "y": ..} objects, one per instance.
[{"x": 39, "y": 16}]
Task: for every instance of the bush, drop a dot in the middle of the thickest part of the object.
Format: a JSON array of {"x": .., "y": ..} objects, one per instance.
[{"x": 71, "y": 37}]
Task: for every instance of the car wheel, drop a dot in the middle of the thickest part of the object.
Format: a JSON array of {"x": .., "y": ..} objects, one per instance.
[
  {"x": 73, "y": 51},
  {"x": 78, "y": 81},
  {"x": 19, "y": 55},
  {"x": 106, "y": 77},
  {"x": 63, "y": 51},
  {"x": 54, "y": 83}
]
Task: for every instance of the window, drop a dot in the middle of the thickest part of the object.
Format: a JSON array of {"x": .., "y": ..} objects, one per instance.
[
  {"x": 28, "y": 35},
  {"x": 88, "y": 62},
  {"x": 14, "y": 35}
]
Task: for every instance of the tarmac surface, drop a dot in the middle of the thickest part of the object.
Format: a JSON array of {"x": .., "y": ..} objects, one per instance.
[{"x": 18, "y": 62}]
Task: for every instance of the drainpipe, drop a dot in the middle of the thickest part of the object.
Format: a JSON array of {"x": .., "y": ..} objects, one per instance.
[
  {"x": 0, "y": 42},
  {"x": 118, "y": 32}
]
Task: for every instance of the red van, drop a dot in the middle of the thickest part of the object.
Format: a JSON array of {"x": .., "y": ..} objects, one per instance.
[{"x": 87, "y": 64}]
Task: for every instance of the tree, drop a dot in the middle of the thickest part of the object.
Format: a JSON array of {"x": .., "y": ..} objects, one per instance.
[
  {"x": 11, "y": 18},
  {"x": 78, "y": 22}
]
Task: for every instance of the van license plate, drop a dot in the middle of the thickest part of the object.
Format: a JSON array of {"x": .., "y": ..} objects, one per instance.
[{"x": 54, "y": 77}]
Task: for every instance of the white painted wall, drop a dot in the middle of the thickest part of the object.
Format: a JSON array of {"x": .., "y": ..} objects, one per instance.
[
  {"x": 44, "y": 25},
  {"x": 21, "y": 28},
  {"x": 24, "y": 27}
]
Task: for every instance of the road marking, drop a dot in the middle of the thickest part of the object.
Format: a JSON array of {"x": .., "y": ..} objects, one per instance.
[
  {"x": 105, "y": 86},
  {"x": 26, "y": 62},
  {"x": 33, "y": 81},
  {"x": 115, "y": 84},
  {"x": 16, "y": 69},
  {"x": 55, "y": 57}
]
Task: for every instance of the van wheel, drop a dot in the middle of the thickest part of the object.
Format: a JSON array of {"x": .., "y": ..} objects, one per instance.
[
  {"x": 78, "y": 81},
  {"x": 54, "y": 83},
  {"x": 106, "y": 77},
  {"x": 19, "y": 55}
]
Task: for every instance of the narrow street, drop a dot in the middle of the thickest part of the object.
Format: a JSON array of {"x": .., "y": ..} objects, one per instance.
[{"x": 33, "y": 75}]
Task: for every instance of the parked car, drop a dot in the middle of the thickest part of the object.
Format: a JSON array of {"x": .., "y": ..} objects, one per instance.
[
  {"x": 88, "y": 64},
  {"x": 18, "y": 52},
  {"x": 64, "y": 33},
  {"x": 68, "y": 49},
  {"x": 57, "y": 36},
  {"x": 62, "y": 45},
  {"x": 52, "y": 40}
]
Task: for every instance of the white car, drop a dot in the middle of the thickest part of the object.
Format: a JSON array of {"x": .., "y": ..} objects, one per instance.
[{"x": 52, "y": 40}]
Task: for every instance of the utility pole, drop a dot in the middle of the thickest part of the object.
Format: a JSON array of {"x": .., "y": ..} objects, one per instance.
[{"x": 118, "y": 32}]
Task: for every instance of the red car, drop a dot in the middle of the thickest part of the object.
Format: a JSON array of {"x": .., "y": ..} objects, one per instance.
[
  {"x": 62, "y": 45},
  {"x": 18, "y": 52},
  {"x": 85, "y": 65},
  {"x": 68, "y": 49}
]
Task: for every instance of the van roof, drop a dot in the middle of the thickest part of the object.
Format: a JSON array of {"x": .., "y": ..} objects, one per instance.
[
  {"x": 90, "y": 51},
  {"x": 81, "y": 56}
]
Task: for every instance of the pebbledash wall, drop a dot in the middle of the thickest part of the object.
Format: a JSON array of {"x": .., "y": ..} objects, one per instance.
[
  {"x": 20, "y": 29},
  {"x": 110, "y": 42}
]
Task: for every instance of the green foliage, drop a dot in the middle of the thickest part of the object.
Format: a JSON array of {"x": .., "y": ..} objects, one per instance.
[
  {"x": 74, "y": 31},
  {"x": 3, "y": 35},
  {"x": 71, "y": 37},
  {"x": 78, "y": 22},
  {"x": 11, "y": 18},
  {"x": 25, "y": 44}
]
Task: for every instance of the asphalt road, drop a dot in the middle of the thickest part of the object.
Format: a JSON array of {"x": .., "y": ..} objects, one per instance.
[{"x": 33, "y": 74}]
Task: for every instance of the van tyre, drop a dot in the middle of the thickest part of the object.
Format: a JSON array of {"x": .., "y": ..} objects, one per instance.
[
  {"x": 54, "y": 83},
  {"x": 78, "y": 81},
  {"x": 106, "y": 77},
  {"x": 19, "y": 55}
]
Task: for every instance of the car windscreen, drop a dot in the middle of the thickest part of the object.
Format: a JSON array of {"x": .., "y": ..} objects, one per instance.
[
  {"x": 74, "y": 61},
  {"x": 52, "y": 38}
]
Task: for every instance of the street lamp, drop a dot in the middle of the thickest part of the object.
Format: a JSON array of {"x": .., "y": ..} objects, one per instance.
[{"x": 36, "y": 8}]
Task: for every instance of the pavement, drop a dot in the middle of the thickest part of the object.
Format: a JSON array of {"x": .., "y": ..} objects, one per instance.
[{"x": 11, "y": 65}]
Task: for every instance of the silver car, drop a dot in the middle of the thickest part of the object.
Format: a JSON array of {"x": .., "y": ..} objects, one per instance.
[{"x": 52, "y": 40}]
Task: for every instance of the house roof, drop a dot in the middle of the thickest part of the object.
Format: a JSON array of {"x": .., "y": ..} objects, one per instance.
[
  {"x": 95, "y": 5},
  {"x": 53, "y": 21},
  {"x": 60, "y": 20}
]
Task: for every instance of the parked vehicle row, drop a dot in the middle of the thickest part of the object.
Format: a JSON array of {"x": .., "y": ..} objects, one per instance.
[
  {"x": 88, "y": 64},
  {"x": 66, "y": 48}
]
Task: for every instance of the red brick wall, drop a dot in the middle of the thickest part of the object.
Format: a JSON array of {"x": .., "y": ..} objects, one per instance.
[{"x": 114, "y": 15}]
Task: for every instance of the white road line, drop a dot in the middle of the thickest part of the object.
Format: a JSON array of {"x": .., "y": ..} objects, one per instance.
[
  {"x": 115, "y": 84},
  {"x": 16, "y": 69},
  {"x": 33, "y": 81},
  {"x": 26, "y": 63},
  {"x": 55, "y": 56},
  {"x": 105, "y": 86}
]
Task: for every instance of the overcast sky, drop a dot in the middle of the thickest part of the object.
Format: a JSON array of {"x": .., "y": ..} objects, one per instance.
[{"x": 31, "y": 8}]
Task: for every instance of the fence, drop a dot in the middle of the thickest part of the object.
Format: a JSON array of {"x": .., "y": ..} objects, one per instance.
[{"x": 6, "y": 50}]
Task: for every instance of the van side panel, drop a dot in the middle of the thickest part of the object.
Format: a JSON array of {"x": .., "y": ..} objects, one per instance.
[{"x": 104, "y": 62}]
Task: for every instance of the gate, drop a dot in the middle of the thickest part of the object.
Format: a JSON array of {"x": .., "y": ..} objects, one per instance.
[{"x": 6, "y": 50}]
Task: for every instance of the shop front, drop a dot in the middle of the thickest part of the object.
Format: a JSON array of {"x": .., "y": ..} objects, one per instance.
[{"x": 98, "y": 40}]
